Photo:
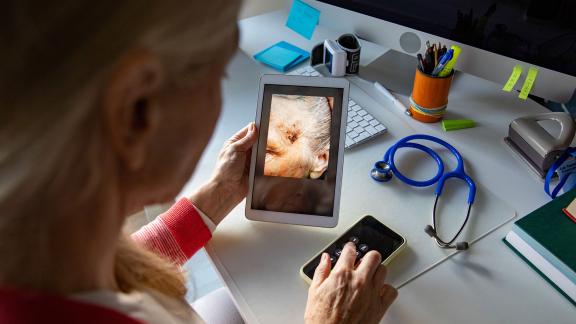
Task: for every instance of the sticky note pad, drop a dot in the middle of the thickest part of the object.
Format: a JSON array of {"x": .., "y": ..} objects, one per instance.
[
  {"x": 513, "y": 79},
  {"x": 280, "y": 56},
  {"x": 303, "y": 18},
  {"x": 528, "y": 83}
]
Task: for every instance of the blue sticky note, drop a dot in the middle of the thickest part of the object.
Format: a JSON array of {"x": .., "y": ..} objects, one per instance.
[
  {"x": 264, "y": 56},
  {"x": 303, "y": 18},
  {"x": 278, "y": 57}
]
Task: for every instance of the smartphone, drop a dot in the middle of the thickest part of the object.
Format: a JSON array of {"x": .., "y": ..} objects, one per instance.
[{"x": 367, "y": 234}]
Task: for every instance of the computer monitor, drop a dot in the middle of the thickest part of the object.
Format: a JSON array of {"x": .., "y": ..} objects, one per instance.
[{"x": 494, "y": 35}]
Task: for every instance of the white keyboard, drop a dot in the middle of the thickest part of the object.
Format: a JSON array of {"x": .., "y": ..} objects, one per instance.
[{"x": 361, "y": 126}]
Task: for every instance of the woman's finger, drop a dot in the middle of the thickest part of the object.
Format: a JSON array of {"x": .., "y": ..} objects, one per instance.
[
  {"x": 244, "y": 143},
  {"x": 369, "y": 264},
  {"x": 388, "y": 294},
  {"x": 347, "y": 258},
  {"x": 380, "y": 275},
  {"x": 322, "y": 270}
]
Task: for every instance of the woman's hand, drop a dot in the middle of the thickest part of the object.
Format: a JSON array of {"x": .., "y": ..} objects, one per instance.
[
  {"x": 229, "y": 183},
  {"x": 347, "y": 294}
]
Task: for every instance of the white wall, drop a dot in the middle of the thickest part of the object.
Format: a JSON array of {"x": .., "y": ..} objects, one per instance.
[{"x": 257, "y": 7}]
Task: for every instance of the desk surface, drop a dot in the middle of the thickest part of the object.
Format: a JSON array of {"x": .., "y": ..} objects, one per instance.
[{"x": 487, "y": 284}]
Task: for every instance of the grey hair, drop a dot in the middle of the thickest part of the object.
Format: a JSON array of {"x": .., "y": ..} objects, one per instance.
[{"x": 319, "y": 107}]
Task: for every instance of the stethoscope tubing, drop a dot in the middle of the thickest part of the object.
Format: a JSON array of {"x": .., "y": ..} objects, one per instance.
[
  {"x": 382, "y": 169},
  {"x": 550, "y": 174},
  {"x": 440, "y": 176}
]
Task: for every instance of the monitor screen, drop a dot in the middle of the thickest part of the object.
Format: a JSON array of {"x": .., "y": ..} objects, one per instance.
[{"x": 540, "y": 32}]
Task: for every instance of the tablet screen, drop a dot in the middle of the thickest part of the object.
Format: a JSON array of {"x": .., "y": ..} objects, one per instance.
[{"x": 297, "y": 151}]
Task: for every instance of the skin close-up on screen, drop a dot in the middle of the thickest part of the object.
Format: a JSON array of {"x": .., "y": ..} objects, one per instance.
[
  {"x": 298, "y": 141},
  {"x": 297, "y": 151}
]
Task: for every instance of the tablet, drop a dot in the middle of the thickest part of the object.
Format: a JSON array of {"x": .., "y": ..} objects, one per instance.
[{"x": 296, "y": 170}]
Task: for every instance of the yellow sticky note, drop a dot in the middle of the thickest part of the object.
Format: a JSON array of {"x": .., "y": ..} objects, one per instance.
[
  {"x": 516, "y": 73},
  {"x": 528, "y": 83}
]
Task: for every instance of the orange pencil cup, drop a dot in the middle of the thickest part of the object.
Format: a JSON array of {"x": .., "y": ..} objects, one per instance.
[{"x": 430, "y": 96}]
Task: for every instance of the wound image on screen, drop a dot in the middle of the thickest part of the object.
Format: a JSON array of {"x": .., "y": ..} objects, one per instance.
[
  {"x": 298, "y": 143},
  {"x": 297, "y": 151}
]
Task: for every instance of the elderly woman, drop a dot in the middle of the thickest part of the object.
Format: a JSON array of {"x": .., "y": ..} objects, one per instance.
[
  {"x": 105, "y": 107},
  {"x": 298, "y": 137}
]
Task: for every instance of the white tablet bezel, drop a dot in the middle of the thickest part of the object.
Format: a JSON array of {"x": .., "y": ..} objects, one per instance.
[{"x": 293, "y": 218}]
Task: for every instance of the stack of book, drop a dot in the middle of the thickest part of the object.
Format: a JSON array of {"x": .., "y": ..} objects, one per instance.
[{"x": 546, "y": 240}]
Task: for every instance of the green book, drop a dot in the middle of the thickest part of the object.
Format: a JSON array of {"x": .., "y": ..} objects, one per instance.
[{"x": 546, "y": 240}]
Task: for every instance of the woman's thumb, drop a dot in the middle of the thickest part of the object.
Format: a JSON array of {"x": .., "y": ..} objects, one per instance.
[{"x": 246, "y": 142}]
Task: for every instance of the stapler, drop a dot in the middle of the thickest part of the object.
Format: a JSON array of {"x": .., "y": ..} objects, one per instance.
[{"x": 535, "y": 145}]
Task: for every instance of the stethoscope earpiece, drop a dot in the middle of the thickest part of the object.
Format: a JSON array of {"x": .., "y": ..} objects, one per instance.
[
  {"x": 461, "y": 246},
  {"x": 430, "y": 231}
]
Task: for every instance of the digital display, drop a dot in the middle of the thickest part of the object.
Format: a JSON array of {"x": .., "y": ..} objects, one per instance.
[
  {"x": 540, "y": 32},
  {"x": 370, "y": 235},
  {"x": 297, "y": 150}
]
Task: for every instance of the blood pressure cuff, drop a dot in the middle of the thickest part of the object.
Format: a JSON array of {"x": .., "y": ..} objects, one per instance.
[{"x": 348, "y": 43}]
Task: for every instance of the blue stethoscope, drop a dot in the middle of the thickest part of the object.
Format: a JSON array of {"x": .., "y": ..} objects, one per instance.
[
  {"x": 384, "y": 170},
  {"x": 571, "y": 151}
]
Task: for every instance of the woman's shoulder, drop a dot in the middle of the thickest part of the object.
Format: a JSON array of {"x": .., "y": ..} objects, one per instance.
[
  {"x": 22, "y": 307},
  {"x": 148, "y": 306}
]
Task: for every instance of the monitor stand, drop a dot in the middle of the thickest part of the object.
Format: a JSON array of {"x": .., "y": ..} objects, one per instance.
[{"x": 394, "y": 70}]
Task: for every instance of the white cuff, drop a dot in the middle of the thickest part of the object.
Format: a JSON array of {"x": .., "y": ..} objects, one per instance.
[{"x": 211, "y": 226}]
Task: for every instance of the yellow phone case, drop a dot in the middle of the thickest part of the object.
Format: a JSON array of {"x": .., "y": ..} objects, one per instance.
[{"x": 384, "y": 262}]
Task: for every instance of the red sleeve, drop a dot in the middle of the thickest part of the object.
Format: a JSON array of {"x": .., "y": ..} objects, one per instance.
[{"x": 177, "y": 234}]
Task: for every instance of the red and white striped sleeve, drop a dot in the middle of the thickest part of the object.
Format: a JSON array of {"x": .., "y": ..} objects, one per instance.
[{"x": 176, "y": 234}]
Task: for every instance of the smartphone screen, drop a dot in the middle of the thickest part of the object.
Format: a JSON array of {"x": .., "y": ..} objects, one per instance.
[{"x": 368, "y": 234}]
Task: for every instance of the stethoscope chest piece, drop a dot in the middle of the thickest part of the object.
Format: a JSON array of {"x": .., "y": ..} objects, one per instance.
[{"x": 381, "y": 172}]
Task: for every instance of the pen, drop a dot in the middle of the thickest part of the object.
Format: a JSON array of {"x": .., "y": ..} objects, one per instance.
[
  {"x": 421, "y": 63},
  {"x": 447, "y": 57},
  {"x": 429, "y": 60},
  {"x": 380, "y": 88}
]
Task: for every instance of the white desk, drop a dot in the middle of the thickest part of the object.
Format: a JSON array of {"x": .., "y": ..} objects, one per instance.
[{"x": 487, "y": 284}]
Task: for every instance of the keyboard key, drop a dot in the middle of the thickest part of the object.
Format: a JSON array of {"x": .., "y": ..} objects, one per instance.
[
  {"x": 359, "y": 129},
  {"x": 355, "y": 108},
  {"x": 357, "y": 118},
  {"x": 380, "y": 128},
  {"x": 368, "y": 117},
  {"x": 351, "y": 125},
  {"x": 352, "y": 134},
  {"x": 353, "y": 239},
  {"x": 349, "y": 141},
  {"x": 374, "y": 122},
  {"x": 362, "y": 112},
  {"x": 363, "y": 248},
  {"x": 362, "y": 136},
  {"x": 315, "y": 73},
  {"x": 338, "y": 253},
  {"x": 333, "y": 259},
  {"x": 352, "y": 102},
  {"x": 363, "y": 123},
  {"x": 371, "y": 130}
]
